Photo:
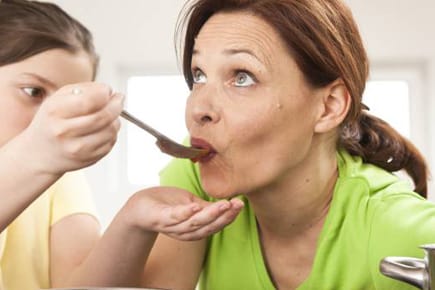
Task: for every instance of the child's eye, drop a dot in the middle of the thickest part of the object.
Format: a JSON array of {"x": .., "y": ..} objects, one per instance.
[
  {"x": 34, "y": 92},
  {"x": 199, "y": 77},
  {"x": 244, "y": 79}
]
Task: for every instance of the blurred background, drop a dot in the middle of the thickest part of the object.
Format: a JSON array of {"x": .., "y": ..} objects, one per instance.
[{"x": 135, "y": 40}]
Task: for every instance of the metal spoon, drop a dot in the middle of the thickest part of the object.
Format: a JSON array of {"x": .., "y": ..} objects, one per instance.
[{"x": 165, "y": 144}]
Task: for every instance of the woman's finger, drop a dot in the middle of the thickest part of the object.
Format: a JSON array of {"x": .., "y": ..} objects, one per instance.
[
  {"x": 181, "y": 213},
  {"x": 207, "y": 221},
  {"x": 209, "y": 229}
]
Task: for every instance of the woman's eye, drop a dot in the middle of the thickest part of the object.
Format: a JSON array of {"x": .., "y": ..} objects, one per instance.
[
  {"x": 199, "y": 77},
  {"x": 244, "y": 79},
  {"x": 34, "y": 92}
]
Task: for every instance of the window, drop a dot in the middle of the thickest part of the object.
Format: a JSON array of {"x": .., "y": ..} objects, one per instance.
[
  {"x": 396, "y": 93},
  {"x": 382, "y": 96},
  {"x": 158, "y": 101}
]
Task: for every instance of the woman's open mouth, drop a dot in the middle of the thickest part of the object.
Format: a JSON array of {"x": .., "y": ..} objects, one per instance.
[{"x": 202, "y": 144}]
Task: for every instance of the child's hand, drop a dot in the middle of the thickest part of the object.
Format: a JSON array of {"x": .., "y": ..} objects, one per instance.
[{"x": 74, "y": 128}]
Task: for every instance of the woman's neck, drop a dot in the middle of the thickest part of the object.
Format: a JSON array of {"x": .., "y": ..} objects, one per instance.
[{"x": 299, "y": 202}]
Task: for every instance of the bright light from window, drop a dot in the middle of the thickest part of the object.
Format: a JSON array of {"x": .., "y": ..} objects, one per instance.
[
  {"x": 389, "y": 100},
  {"x": 159, "y": 101}
]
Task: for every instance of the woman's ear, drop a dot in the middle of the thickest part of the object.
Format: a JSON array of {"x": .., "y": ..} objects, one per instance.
[{"x": 336, "y": 101}]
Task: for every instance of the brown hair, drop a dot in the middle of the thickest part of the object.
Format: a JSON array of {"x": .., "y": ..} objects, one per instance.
[
  {"x": 31, "y": 27},
  {"x": 324, "y": 40}
]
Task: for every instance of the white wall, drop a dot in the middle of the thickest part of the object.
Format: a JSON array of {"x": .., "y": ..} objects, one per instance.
[{"x": 138, "y": 34}]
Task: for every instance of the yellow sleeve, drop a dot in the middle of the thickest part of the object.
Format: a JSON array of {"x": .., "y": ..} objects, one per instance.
[{"x": 71, "y": 195}]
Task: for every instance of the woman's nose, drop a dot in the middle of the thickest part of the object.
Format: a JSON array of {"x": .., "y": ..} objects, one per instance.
[{"x": 202, "y": 109}]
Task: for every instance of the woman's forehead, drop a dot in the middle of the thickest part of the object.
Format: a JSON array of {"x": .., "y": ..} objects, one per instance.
[{"x": 239, "y": 31}]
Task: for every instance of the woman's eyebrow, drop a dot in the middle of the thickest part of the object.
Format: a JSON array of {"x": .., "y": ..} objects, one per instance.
[
  {"x": 235, "y": 51},
  {"x": 240, "y": 51}
]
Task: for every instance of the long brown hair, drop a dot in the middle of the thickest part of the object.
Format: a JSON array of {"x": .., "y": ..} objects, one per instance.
[
  {"x": 31, "y": 27},
  {"x": 323, "y": 38}
]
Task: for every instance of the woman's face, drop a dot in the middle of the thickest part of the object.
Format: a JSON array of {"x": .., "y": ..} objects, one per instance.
[
  {"x": 26, "y": 84},
  {"x": 250, "y": 102}
]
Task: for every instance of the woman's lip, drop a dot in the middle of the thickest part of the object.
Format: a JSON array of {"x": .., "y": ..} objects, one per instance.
[
  {"x": 204, "y": 158},
  {"x": 200, "y": 143}
]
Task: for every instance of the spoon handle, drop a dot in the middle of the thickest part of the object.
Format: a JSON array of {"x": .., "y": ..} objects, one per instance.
[{"x": 126, "y": 115}]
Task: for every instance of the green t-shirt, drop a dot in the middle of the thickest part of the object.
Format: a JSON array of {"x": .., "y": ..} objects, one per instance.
[{"x": 373, "y": 214}]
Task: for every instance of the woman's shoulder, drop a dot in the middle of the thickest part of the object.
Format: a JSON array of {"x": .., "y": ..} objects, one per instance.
[
  {"x": 373, "y": 180},
  {"x": 380, "y": 200}
]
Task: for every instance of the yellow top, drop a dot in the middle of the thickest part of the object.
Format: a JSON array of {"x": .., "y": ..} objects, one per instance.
[{"x": 24, "y": 245}]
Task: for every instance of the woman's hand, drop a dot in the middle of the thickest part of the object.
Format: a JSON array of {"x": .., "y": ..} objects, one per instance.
[
  {"x": 74, "y": 128},
  {"x": 180, "y": 214}
]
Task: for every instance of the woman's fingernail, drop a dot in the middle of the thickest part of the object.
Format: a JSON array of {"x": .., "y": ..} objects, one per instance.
[
  {"x": 224, "y": 206},
  {"x": 238, "y": 203}
]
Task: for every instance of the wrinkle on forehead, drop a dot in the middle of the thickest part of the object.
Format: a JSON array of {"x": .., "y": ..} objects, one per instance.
[{"x": 241, "y": 31}]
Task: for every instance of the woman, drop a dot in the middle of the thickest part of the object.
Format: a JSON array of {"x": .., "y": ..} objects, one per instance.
[
  {"x": 54, "y": 120},
  {"x": 276, "y": 88}
]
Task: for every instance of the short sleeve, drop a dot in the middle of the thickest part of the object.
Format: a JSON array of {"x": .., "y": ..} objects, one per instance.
[{"x": 71, "y": 195}]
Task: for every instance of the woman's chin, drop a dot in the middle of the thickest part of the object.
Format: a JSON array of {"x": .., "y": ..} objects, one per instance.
[{"x": 218, "y": 191}]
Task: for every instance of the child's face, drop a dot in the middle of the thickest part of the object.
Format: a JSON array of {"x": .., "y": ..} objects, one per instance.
[{"x": 26, "y": 84}]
